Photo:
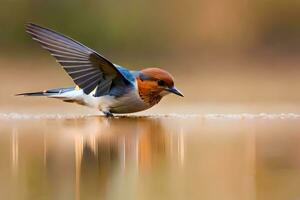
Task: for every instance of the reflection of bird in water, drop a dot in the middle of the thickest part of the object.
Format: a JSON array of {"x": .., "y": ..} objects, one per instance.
[
  {"x": 126, "y": 140},
  {"x": 87, "y": 154},
  {"x": 122, "y": 145},
  {"x": 99, "y": 83}
]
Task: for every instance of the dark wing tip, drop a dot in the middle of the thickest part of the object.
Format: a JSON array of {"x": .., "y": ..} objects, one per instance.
[
  {"x": 31, "y": 28},
  {"x": 30, "y": 25}
]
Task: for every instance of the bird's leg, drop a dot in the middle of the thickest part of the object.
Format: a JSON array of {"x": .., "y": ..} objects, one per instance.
[{"x": 108, "y": 114}]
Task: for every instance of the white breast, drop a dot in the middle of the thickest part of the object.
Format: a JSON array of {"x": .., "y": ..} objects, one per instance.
[{"x": 128, "y": 103}]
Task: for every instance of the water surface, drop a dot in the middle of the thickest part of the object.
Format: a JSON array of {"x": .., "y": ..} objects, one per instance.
[{"x": 152, "y": 157}]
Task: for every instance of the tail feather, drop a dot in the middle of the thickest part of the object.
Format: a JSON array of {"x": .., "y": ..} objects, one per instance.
[
  {"x": 50, "y": 92},
  {"x": 31, "y": 94},
  {"x": 69, "y": 94}
]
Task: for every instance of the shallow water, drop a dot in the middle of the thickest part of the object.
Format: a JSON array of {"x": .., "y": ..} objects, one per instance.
[{"x": 217, "y": 156}]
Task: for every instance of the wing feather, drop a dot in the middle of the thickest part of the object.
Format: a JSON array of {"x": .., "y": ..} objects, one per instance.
[{"x": 87, "y": 68}]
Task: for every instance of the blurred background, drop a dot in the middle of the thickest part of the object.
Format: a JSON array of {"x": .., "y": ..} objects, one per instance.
[
  {"x": 227, "y": 56},
  {"x": 231, "y": 52}
]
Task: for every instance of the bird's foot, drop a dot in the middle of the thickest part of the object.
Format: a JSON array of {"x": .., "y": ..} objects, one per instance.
[{"x": 108, "y": 114}]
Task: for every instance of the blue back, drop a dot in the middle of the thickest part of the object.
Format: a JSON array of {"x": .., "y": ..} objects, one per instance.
[
  {"x": 126, "y": 73},
  {"x": 119, "y": 90}
]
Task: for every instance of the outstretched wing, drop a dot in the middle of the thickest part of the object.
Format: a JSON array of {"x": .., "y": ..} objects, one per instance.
[{"x": 87, "y": 68}]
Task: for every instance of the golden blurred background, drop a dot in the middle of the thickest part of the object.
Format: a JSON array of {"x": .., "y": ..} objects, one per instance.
[
  {"x": 227, "y": 56},
  {"x": 231, "y": 52}
]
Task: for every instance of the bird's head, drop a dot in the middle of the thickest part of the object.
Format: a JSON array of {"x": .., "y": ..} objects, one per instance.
[{"x": 156, "y": 83}]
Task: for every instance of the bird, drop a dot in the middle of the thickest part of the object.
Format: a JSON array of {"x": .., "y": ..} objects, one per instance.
[{"x": 99, "y": 83}]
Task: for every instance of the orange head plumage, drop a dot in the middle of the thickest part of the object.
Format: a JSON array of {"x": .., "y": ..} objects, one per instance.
[{"x": 154, "y": 83}]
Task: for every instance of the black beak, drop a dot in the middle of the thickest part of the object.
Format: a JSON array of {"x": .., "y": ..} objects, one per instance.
[{"x": 174, "y": 91}]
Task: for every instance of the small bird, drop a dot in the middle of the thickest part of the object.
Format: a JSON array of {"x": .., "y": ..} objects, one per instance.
[{"x": 100, "y": 84}]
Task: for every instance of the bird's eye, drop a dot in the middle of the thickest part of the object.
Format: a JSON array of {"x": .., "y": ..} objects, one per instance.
[{"x": 161, "y": 83}]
